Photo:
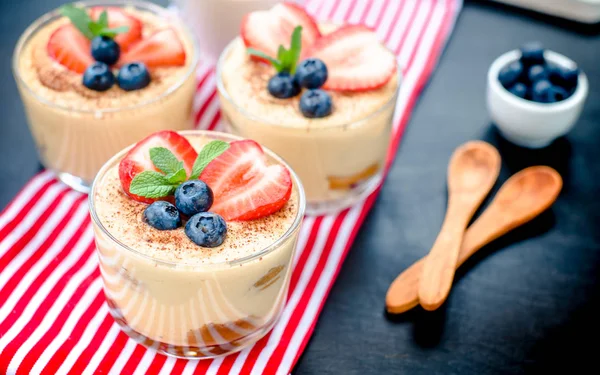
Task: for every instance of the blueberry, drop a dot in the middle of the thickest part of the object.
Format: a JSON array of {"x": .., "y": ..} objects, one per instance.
[
  {"x": 192, "y": 197},
  {"x": 133, "y": 76},
  {"x": 162, "y": 215},
  {"x": 311, "y": 73},
  {"x": 283, "y": 86},
  {"x": 536, "y": 73},
  {"x": 532, "y": 53},
  {"x": 98, "y": 77},
  {"x": 541, "y": 91},
  {"x": 105, "y": 49},
  {"x": 315, "y": 104},
  {"x": 565, "y": 77},
  {"x": 519, "y": 89},
  {"x": 557, "y": 94},
  {"x": 206, "y": 229},
  {"x": 510, "y": 74}
]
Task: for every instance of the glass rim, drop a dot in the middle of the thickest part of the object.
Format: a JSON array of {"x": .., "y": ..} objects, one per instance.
[
  {"x": 225, "y": 94},
  {"x": 236, "y": 262},
  {"x": 140, "y": 4}
]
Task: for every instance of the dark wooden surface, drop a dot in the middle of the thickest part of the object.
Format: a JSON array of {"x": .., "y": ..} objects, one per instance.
[{"x": 526, "y": 304}]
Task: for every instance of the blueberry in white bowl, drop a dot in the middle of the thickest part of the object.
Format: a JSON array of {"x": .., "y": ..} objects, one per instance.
[{"x": 543, "y": 103}]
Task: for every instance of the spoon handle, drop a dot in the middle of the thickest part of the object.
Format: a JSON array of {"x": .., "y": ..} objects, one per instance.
[
  {"x": 440, "y": 264},
  {"x": 403, "y": 293}
]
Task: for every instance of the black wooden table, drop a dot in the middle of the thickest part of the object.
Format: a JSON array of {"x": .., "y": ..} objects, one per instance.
[{"x": 526, "y": 304}]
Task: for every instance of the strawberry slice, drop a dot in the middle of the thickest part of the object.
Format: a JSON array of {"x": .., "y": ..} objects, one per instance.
[
  {"x": 267, "y": 30},
  {"x": 70, "y": 48},
  {"x": 245, "y": 187},
  {"x": 138, "y": 160},
  {"x": 118, "y": 17},
  {"x": 355, "y": 59},
  {"x": 162, "y": 48}
]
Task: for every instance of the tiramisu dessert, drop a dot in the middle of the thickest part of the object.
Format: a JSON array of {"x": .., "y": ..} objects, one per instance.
[
  {"x": 195, "y": 234},
  {"x": 321, "y": 96},
  {"x": 95, "y": 78}
]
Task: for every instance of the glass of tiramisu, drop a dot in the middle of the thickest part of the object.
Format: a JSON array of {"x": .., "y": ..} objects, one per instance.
[
  {"x": 196, "y": 263},
  {"x": 96, "y": 76},
  {"x": 322, "y": 96}
]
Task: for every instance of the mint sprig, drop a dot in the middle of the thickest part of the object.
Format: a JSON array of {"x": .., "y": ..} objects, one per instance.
[
  {"x": 88, "y": 27},
  {"x": 152, "y": 184},
  {"x": 287, "y": 59}
]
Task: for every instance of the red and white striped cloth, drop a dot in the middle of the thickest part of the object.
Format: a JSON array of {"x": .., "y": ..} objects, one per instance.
[{"x": 53, "y": 315}]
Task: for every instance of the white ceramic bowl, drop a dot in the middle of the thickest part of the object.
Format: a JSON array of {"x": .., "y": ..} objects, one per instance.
[{"x": 527, "y": 123}]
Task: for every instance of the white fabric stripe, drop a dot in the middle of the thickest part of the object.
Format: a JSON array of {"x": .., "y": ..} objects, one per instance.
[
  {"x": 189, "y": 368},
  {"x": 88, "y": 334},
  {"x": 387, "y": 21},
  {"x": 297, "y": 294},
  {"x": 374, "y": 13},
  {"x": 49, "y": 320},
  {"x": 43, "y": 292},
  {"x": 325, "y": 280},
  {"x": 146, "y": 361},
  {"x": 239, "y": 361},
  {"x": 418, "y": 26},
  {"x": 167, "y": 366},
  {"x": 401, "y": 24},
  {"x": 27, "y": 222},
  {"x": 27, "y": 252},
  {"x": 414, "y": 74},
  {"x": 359, "y": 9},
  {"x": 25, "y": 196},
  {"x": 123, "y": 357},
  {"x": 305, "y": 231},
  {"x": 211, "y": 111},
  {"x": 109, "y": 339},
  {"x": 205, "y": 91},
  {"x": 214, "y": 366}
]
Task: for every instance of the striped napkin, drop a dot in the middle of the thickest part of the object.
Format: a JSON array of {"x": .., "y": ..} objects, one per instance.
[{"x": 53, "y": 315}]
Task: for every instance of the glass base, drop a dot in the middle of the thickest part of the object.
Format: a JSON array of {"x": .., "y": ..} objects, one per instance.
[
  {"x": 348, "y": 199},
  {"x": 190, "y": 352},
  {"x": 73, "y": 182}
]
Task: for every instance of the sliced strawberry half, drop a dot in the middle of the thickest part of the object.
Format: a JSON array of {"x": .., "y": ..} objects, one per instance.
[
  {"x": 267, "y": 30},
  {"x": 162, "y": 48},
  {"x": 118, "y": 17},
  {"x": 355, "y": 59},
  {"x": 138, "y": 160},
  {"x": 245, "y": 187},
  {"x": 70, "y": 48}
]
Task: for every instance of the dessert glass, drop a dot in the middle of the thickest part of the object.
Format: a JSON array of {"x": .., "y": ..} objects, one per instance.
[
  {"x": 338, "y": 164},
  {"x": 195, "y": 310},
  {"x": 75, "y": 143}
]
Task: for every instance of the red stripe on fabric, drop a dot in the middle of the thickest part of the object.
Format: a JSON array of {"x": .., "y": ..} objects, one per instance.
[
  {"x": 227, "y": 364},
  {"x": 178, "y": 367},
  {"x": 204, "y": 106},
  {"x": 202, "y": 367},
  {"x": 204, "y": 78},
  {"x": 87, "y": 354},
  {"x": 421, "y": 34},
  {"x": 12, "y": 223},
  {"x": 366, "y": 12},
  {"x": 10, "y": 349},
  {"x": 407, "y": 29},
  {"x": 288, "y": 333},
  {"x": 134, "y": 360},
  {"x": 333, "y": 9},
  {"x": 395, "y": 17},
  {"x": 28, "y": 235},
  {"x": 349, "y": 10},
  {"x": 22, "y": 191},
  {"x": 30, "y": 359},
  {"x": 74, "y": 337},
  {"x": 112, "y": 354},
  {"x": 157, "y": 364},
  {"x": 296, "y": 272},
  {"x": 214, "y": 121},
  {"x": 12, "y": 283},
  {"x": 381, "y": 14}
]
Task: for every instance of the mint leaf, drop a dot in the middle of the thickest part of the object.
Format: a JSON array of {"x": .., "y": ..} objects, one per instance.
[
  {"x": 163, "y": 159},
  {"x": 206, "y": 155},
  {"x": 95, "y": 28},
  {"x": 111, "y": 33},
  {"x": 177, "y": 177},
  {"x": 295, "y": 48},
  {"x": 103, "y": 19},
  {"x": 276, "y": 63},
  {"x": 79, "y": 18},
  {"x": 151, "y": 184}
]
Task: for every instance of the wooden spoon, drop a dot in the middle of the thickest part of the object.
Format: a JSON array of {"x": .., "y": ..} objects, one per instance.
[
  {"x": 522, "y": 197},
  {"x": 472, "y": 171}
]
